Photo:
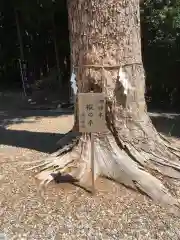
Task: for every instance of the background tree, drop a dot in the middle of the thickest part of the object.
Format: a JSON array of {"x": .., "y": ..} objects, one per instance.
[
  {"x": 35, "y": 38},
  {"x": 161, "y": 37},
  {"x": 106, "y": 49}
]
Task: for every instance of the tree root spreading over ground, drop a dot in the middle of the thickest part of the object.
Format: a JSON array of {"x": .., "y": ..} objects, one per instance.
[{"x": 118, "y": 160}]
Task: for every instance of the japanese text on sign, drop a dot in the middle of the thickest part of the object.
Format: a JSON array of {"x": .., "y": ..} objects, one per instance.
[{"x": 91, "y": 112}]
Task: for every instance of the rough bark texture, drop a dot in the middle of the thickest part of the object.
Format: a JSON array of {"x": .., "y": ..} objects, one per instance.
[{"x": 106, "y": 49}]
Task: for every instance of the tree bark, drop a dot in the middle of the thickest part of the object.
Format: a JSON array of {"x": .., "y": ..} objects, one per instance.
[{"x": 106, "y": 55}]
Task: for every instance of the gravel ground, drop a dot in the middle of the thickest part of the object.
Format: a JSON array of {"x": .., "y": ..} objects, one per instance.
[{"x": 64, "y": 211}]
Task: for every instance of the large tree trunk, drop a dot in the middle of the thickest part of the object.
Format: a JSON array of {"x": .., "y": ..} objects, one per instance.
[{"x": 106, "y": 54}]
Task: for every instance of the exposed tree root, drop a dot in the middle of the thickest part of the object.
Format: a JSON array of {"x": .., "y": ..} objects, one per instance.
[
  {"x": 133, "y": 167},
  {"x": 132, "y": 153}
]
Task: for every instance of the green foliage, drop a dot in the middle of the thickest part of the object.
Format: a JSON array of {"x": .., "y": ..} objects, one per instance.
[
  {"x": 161, "y": 51},
  {"x": 162, "y": 19}
]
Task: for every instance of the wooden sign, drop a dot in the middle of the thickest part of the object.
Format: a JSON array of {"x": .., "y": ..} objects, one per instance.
[{"x": 92, "y": 112}]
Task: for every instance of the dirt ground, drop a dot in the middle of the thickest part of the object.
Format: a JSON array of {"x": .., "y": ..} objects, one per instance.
[{"x": 64, "y": 211}]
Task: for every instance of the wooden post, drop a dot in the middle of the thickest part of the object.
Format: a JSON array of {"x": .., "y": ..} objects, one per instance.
[
  {"x": 92, "y": 162},
  {"x": 91, "y": 115}
]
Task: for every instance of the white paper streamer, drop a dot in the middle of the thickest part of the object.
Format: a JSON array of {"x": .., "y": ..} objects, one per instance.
[
  {"x": 124, "y": 81},
  {"x": 73, "y": 83}
]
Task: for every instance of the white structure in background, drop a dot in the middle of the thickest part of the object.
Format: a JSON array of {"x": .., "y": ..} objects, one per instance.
[{"x": 22, "y": 76}]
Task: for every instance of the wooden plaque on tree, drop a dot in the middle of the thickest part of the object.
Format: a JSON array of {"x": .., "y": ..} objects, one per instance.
[{"x": 92, "y": 112}]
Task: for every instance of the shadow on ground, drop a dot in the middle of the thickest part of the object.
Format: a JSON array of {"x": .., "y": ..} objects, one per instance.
[
  {"x": 167, "y": 123},
  {"x": 39, "y": 141},
  {"x": 15, "y": 117},
  {"x": 15, "y": 109}
]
